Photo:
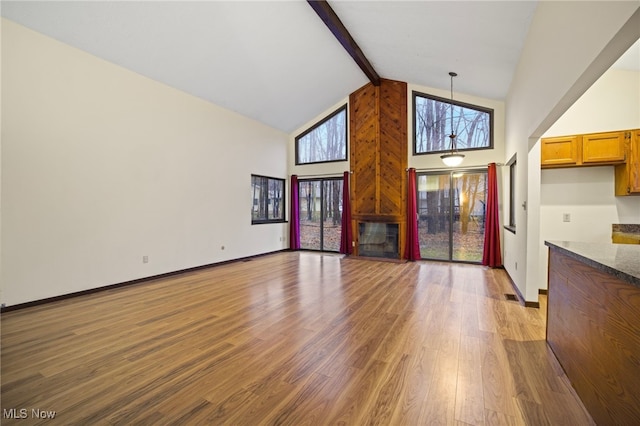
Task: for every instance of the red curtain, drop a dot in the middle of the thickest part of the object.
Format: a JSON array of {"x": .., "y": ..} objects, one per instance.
[
  {"x": 346, "y": 236},
  {"x": 294, "y": 217},
  {"x": 491, "y": 255},
  {"x": 412, "y": 245}
]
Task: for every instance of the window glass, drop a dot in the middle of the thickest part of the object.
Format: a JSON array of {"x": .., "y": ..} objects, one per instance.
[
  {"x": 268, "y": 199},
  {"x": 433, "y": 123},
  {"x": 324, "y": 142}
]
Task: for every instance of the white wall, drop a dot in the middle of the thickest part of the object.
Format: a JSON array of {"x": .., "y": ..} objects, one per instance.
[
  {"x": 568, "y": 47},
  {"x": 1, "y": 173},
  {"x": 101, "y": 166},
  {"x": 587, "y": 194}
]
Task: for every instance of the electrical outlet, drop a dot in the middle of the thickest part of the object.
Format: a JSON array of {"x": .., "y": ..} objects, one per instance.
[
  {"x": 222, "y": 248},
  {"x": 566, "y": 217},
  {"x": 516, "y": 266},
  {"x": 145, "y": 259}
]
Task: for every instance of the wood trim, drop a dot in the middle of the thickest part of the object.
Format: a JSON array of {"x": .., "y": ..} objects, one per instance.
[
  {"x": 521, "y": 298},
  {"x": 128, "y": 283},
  {"x": 337, "y": 28}
]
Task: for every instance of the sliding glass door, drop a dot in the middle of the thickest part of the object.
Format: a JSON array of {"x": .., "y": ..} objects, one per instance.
[
  {"x": 320, "y": 214},
  {"x": 451, "y": 215}
]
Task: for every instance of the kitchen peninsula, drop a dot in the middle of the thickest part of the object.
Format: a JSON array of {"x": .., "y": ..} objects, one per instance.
[{"x": 593, "y": 325}]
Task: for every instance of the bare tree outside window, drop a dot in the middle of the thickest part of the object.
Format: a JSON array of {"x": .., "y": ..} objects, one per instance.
[
  {"x": 268, "y": 199},
  {"x": 324, "y": 142},
  {"x": 472, "y": 125},
  {"x": 451, "y": 215},
  {"x": 320, "y": 213}
]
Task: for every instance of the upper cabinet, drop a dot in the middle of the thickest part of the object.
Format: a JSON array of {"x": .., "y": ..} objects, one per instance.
[
  {"x": 628, "y": 174},
  {"x": 562, "y": 151},
  {"x": 600, "y": 148},
  {"x": 594, "y": 149}
]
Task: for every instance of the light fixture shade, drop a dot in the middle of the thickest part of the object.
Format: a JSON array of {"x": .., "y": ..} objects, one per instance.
[{"x": 452, "y": 160}]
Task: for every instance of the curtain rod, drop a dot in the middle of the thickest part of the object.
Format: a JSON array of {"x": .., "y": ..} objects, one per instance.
[
  {"x": 439, "y": 169},
  {"x": 322, "y": 175},
  {"x": 433, "y": 169}
]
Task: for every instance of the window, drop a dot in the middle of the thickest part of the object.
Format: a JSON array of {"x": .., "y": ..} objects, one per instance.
[
  {"x": 268, "y": 199},
  {"x": 512, "y": 195},
  {"x": 451, "y": 215},
  {"x": 324, "y": 142},
  {"x": 320, "y": 214},
  {"x": 432, "y": 124}
]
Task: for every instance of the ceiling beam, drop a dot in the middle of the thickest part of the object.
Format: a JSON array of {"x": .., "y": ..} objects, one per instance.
[{"x": 331, "y": 20}]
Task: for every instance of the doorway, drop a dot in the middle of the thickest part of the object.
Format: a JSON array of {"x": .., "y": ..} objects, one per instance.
[
  {"x": 320, "y": 214},
  {"x": 451, "y": 215}
]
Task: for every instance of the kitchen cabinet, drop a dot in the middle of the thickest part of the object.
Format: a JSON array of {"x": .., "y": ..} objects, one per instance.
[
  {"x": 593, "y": 149},
  {"x": 603, "y": 147},
  {"x": 560, "y": 151},
  {"x": 628, "y": 174},
  {"x": 593, "y": 306}
]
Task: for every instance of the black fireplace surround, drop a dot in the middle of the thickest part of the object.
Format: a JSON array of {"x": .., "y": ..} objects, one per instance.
[{"x": 378, "y": 239}]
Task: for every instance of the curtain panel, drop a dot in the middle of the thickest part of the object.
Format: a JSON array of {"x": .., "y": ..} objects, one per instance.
[
  {"x": 294, "y": 222},
  {"x": 491, "y": 254},
  {"x": 412, "y": 244},
  {"x": 346, "y": 236}
]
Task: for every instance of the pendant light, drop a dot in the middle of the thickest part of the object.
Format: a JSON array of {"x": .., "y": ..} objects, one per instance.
[{"x": 453, "y": 158}]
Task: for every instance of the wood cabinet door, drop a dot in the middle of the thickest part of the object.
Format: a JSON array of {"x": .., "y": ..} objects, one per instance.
[
  {"x": 603, "y": 148},
  {"x": 633, "y": 165},
  {"x": 559, "y": 151},
  {"x": 627, "y": 181}
]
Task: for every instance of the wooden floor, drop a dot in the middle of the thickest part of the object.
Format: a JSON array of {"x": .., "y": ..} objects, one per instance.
[{"x": 291, "y": 338}]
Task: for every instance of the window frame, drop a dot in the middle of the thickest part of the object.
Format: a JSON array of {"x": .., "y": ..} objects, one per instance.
[
  {"x": 317, "y": 125},
  {"x": 415, "y": 94},
  {"x": 283, "y": 200},
  {"x": 449, "y": 196},
  {"x": 512, "y": 163},
  {"x": 321, "y": 181}
]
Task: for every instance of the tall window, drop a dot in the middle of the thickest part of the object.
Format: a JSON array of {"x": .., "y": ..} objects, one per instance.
[
  {"x": 432, "y": 124},
  {"x": 268, "y": 199},
  {"x": 320, "y": 214},
  {"x": 324, "y": 142},
  {"x": 451, "y": 215},
  {"x": 512, "y": 195}
]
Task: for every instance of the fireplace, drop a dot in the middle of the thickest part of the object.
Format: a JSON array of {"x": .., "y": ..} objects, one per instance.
[{"x": 378, "y": 239}]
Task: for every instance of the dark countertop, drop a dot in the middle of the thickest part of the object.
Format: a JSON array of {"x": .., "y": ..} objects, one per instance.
[
  {"x": 620, "y": 260},
  {"x": 626, "y": 228}
]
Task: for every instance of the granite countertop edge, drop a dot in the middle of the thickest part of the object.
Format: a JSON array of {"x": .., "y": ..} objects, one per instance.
[{"x": 619, "y": 260}]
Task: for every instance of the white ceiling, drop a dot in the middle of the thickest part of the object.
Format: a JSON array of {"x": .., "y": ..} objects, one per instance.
[{"x": 276, "y": 62}]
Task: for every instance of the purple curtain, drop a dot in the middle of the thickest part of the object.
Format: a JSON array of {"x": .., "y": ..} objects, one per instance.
[
  {"x": 412, "y": 245},
  {"x": 346, "y": 236},
  {"x": 294, "y": 217},
  {"x": 491, "y": 254}
]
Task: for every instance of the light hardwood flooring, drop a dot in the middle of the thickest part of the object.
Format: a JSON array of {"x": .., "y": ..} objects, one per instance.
[{"x": 293, "y": 338}]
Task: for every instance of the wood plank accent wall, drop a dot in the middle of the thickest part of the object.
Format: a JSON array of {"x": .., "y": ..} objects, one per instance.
[
  {"x": 378, "y": 146},
  {"x": 593, "y": 329}
]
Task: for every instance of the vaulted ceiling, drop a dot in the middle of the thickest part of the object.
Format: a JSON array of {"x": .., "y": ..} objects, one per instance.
[{"x": 276, "y": 61}]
